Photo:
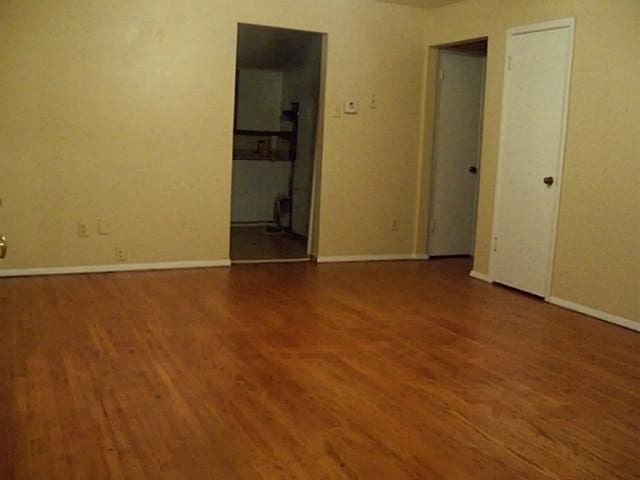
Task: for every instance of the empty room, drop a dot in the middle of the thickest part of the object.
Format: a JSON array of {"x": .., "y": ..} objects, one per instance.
[{"x": 340, "y": 239}]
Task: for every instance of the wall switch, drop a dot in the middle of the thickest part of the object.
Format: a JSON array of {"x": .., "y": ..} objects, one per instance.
[
  {"x": 395, "y": 225},
  {"x": 351, "y": 107},
  {"x": 83, "y": 231},
  {"x": 373, "y": 103},
  {"x": 103, "y": 227}
]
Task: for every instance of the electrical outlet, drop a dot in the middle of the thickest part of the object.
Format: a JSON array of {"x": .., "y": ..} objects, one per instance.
[
  {"x": 83, "y": 231},
  {"x": 395, "y": 225},
  {"x": 103, "y": 227},
  {"x": 121, "y": 255},
  {"x": 351, "y": 107}
]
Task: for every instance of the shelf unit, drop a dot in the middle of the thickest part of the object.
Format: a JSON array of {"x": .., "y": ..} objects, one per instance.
[{"x": 290, "y": 136}]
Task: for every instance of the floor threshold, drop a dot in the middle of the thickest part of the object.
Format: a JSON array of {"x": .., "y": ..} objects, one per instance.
[{"x": 271, "y": 260}]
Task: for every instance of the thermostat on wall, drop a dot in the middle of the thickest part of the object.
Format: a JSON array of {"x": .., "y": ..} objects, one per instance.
[{"x": 351, "y": 107}]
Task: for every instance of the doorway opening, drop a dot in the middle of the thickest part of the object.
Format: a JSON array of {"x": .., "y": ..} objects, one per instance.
[
  {"x": 456, "y": 148},
  {"x": 277, "y": 102}
]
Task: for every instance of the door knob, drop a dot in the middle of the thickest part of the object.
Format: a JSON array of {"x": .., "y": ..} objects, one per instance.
[
  {"x": 3, "y": 247},
  {"x": 473, "y": 169},
  {"x": 548, "y": 181}
]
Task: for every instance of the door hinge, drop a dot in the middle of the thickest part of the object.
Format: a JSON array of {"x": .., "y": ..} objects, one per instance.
[
  {"x": 509, "y": 58},
  {"x": 495, "y": 244},
  {"x": 441, "y": 74},
  {"x": 433, "y": 225}
]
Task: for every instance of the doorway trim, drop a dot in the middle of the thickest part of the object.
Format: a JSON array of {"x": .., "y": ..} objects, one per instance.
[
  {"x": 428, "y": 128},
  {"x": 313, "y": 238},
  {"x": 569, "y": 23}
]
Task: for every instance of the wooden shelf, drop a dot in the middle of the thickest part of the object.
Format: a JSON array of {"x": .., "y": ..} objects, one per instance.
[{"x": 290, "y": 136}]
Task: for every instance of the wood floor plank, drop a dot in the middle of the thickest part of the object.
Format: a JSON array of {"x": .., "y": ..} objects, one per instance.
[{"x": 355, "y": 371}]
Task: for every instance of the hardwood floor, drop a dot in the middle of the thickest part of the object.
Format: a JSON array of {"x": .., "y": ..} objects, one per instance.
[{"x": 355, "y": 371}]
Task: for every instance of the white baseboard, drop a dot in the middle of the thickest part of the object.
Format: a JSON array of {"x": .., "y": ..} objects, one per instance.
[
  {"x": 117, "y": 267},
  {"x": 372, "y": 258},
  {"x": 480, "y": 276},
  {"x": 592, "y": 312}
]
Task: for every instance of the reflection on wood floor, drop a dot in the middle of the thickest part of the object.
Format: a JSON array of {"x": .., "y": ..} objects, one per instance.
[
  {"x": 254, "y": 243},
  {"x": 387, "y": 371}
]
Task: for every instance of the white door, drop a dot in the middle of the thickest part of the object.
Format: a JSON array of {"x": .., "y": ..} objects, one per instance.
[
  {"x": 456, "y": 153},
  {"x": 532, "y": 148},
  {"x": 303, "y": 168}
]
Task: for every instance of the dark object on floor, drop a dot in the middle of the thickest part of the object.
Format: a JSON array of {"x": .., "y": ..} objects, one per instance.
[{"x": 282, "y": 215}]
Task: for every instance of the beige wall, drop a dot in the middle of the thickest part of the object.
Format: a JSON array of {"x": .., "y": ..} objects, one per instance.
[
  {"x": 123, "y": 111},
  {"x": 597, "y": 260}
]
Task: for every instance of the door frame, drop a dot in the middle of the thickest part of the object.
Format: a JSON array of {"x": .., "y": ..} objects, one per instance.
[
  {"x": 434, "y": 149},
  {"x": 313, "y": 236},
  {"x": 568, "y": 22}
]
